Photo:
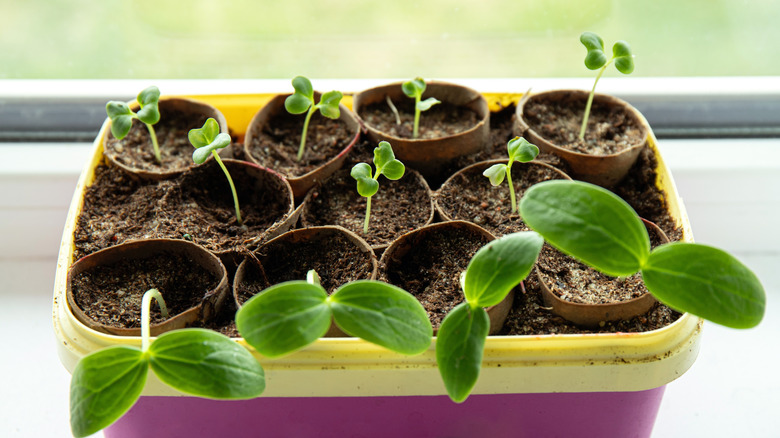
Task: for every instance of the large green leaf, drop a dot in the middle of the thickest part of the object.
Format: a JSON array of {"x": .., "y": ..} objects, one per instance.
[
  {"x": 383, "y": 314},
  {"x": 105, "y": 385},
  {"x": 499, "y": 266},
  {"x": 284, "y": 318},
  {"x": 707, "y": 282},
  {"x": 459, "y": 347},
  {"x": 589, "y": 223},
  {"x": 206, "y": 364}
]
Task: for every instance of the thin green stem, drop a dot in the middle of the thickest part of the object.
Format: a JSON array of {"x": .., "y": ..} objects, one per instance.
[
  {"x": 305, "y": 128},
  {"x": 146, "y": 305},
  {"x": 511, "y": 186},
  {"x": 232, "y": 187},
  {"x": 590, "y": 100},
  {"x": 416, "y": 132},
  {"x": 368, "y": 215},
  {"x": 156, "y": 145}
]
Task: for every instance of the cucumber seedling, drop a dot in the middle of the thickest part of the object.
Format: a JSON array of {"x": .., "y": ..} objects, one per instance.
[
  {"x": 367, "y": 184},
  {"x": 302, "y": 101},
  {"x": 149, "y": 114},
  {"x": 415, "y": 89},
  {"x": 519, "y": 149}
]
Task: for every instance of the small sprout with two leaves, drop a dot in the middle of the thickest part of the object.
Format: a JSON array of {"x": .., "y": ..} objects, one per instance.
[
  {"x": 204, "y": 363},
  {"x": 600, "y": 229},
  {"x": 415, "y": 89},
  {"x": 491, "y": 274},
  {"x": 149, "y": 113},
  {"x": 368, "y": 184},
  {"x": 519, "y": 150},
  {"x": 291, "y": 315},
  {"x": 207, "y": 140},
  {"x": 302, "y": 101},
  {"x": 597, "y": 59}
]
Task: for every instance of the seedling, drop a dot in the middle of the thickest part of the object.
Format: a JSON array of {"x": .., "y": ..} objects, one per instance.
[
  {"x": 291, "y": 315},
  {"x": 491, "y": 274},
  {"x": 597, "y": 227},
  {"x": 204, "y": 363},
  {"x": 207, "y": 141},
  {"x": 367, "y": 185},
  {"x": 302, "y": 101},
  {"x": 596, "y": 59},
  {"x": 149, "y": 113},
  {"x": 519, "y": 150},
  {"x": 415, "y": 89}
]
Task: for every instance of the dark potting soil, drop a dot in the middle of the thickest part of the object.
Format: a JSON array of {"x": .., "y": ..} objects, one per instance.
[
  {"x": 136, "y": 150},
  {"x": 441, "y": 120},
  {"x": 398, "y": 207},
  {"x": 336, "y": 259},
  {"x": 112, "y": 294},
  {"x": 277, "y": 144},
  {"x": 431, "y": 269},
  {"x": 609, "y": 131},
  {"x": 196, "y": 206},
  {"x": 469, "y": 196}
]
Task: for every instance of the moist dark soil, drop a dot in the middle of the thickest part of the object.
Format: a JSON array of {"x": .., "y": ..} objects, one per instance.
[
  {"x": 111, "y": 294},
  {"x": 136, "y": 150},
  {"x": 398, "y": 207},
  {"x": 196, "y": 206},
  {"x": 441, "y": 120},
  {"x": 610, "y": 129},
  {"x": 337, "y": 260},
  {"x": 431, "y": 269},
  {"x": 277, "y": 144},
  {"x": 469, "y": 196}
]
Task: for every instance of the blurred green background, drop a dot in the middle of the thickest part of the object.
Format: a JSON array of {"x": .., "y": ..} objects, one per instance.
[{"x": 118, "y": 39}]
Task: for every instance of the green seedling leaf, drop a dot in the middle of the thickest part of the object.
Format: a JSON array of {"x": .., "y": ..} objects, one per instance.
[
  {"x": 329, "y": 104},
  {"x": 499, "y": 266},
  {"x": 297, "y": 103},
  {"x": 302, "y": 85},
  {"x": 521, "y": 150},
  {"x": 596, "y": 58},
  {"x": 386, "y": 163},
  {"x": 459, "y": 348},
  {"x": 624, "y": 60},
  {"x": 366, "y": 184},
  {"x": 105, "y": 385},
  {"x": 425, "y": 105},
  {"x": 707, "y": 282},
  {"x": 284, "y": 318},
  {"x": 121, "y": 118},
  {"x": 221, "y": 141},
  {"x": 589, "y": 223},
  {"x": 496, "y": 174},
  {"x": 383, "y": 314},
  {"x": 148, "y": 99},
  {"x": 206, "y": 364},
  {"x": 414, "y": 88}
]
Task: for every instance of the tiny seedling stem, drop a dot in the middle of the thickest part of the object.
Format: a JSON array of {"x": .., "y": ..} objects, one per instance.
[
  {"x": 146, "y": 304},
  {"x": 416, "y": 132},
  {"x": 590, "y": 100},
  {"x": 394, "y": 110},
  {"x": 368, "y": 215},
  {"x": 232, "y": 187},
  {"x": 155, "y": 144},
  {"x": 305, "y": 128},
  {"x": 511, "y": 186}
]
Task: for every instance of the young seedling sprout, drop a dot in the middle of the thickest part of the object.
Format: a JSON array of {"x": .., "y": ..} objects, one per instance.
[
  {"x": 519, "y": 150},
  {"x": 122, "y": 116},
  {"x": 201, "y": 362},
  {"x": 367, "y": 185},
  {"x": 302, "y": 100},
  {"x": 415, "y": 89},
  {"x": 207, "y": 140},
  {"x": 596, "y": 59}
]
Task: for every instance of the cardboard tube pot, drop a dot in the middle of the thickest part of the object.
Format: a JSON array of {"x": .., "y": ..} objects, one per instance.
[
  {"x": 291, "y": 255},
  {"x": 591, "y": 315},
  {"x": 468, "y": 195},
  {"x": 323, "y": 168},
  {"x": 457, "y": 235},
  {"x": 187, "y": 257},
  {"x": 175, "y": 148},
  {"x": 430, "y": 156},
  {"x": 605, "y": 170}
]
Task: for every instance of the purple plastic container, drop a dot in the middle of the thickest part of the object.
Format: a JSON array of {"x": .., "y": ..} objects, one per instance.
[{"x": 586, "y": 414}]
